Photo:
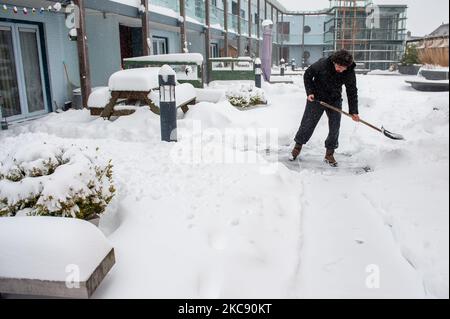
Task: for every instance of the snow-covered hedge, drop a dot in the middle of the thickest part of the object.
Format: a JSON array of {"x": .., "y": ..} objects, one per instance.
[
  {"x": 52, "y": 180},
  {"x": 245, "y": 96}
]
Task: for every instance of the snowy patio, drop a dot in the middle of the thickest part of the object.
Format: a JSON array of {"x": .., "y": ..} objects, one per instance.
[{"x": 198, "y": 227}]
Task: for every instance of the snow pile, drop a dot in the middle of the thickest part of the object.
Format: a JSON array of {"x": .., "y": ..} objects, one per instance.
[
  {"x": 383, "y": 72},
  {"x": 52, "y": 180},
  {"x": 196, "y": 58},
  {"x": 197, "y": 227},
  {"x": 267, "y": 23},
  {"x": 245, "y": 95},
  {"x": 211, "y": 95},
  {"x": 53, "y": 249},
  {"x": 140, "y": 80},
  {"x": 183, "y": 93},
  {"x": 99, "y": 97}
]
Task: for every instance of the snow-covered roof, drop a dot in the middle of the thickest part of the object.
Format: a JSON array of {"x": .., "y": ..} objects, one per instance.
[
  {"x": 167, "y": 58},
  {"x": 442, "y": 31}
]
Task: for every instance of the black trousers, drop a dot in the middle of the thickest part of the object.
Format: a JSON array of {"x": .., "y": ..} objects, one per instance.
[{"x": 311, "y": 117}]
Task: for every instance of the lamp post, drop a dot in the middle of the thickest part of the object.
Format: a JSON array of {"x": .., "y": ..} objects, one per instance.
[
  {"x": 283, "y": 66},
  {"x": 258, "y": 73},
  {"x": 293, "y": 65},
  {"x": 167, "y": 104}
]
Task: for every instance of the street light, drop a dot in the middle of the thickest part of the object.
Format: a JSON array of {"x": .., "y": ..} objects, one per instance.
[
  {"x": 258, "y": 73},
  {"x": 293, "y": 64},
  {"x": 167, "y": 104},
  {"x": 283, "y": 66}
]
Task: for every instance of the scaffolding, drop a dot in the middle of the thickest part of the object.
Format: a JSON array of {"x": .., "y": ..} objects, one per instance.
[{"x": 373, "y": 45}]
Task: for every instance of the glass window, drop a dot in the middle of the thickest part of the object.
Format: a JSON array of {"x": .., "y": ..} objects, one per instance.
[{"x": 160, "y": 45}]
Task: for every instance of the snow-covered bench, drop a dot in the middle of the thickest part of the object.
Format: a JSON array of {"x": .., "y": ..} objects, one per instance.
[
  {"x": 52, "y": 257},
  {"x": 135, "y": 85}
]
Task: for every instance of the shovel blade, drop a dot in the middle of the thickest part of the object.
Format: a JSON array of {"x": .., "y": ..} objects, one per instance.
[{"x": 392, "y": 136}]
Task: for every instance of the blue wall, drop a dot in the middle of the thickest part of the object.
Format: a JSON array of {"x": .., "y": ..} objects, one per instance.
[
  {"x": 173, "y": 38},
  {"x": 104, "y": 46},
  {"x": 59, "y": 49}
]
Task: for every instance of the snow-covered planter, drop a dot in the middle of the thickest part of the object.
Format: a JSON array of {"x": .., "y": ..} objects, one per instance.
[
  {"x": 52, "y": 180},
  {"x": 246, "y": 96}
]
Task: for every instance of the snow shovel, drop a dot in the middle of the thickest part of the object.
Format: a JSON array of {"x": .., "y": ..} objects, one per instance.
[{"x": 391, "y": 135}]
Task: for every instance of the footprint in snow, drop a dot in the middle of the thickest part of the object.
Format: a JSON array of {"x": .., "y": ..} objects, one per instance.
[{"x": 235, "y": 222}]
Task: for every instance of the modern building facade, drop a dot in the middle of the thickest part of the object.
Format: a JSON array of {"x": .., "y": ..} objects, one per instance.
[{"x": 40, "y": 64}]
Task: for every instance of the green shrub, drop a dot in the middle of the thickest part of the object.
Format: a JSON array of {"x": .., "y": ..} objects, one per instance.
[{"x": 70, "y": 182}]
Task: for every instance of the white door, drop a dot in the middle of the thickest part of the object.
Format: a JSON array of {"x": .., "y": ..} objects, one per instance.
[{"x": 21, "y": 71}]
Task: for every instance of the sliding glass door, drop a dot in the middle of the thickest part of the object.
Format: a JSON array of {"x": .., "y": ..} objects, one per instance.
[
  {"x": 21, "y": 71},
  {"x": 9, "y": 86}
]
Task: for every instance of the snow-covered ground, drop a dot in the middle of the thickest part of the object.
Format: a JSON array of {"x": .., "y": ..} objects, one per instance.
[{"x": 196, "y": 226}]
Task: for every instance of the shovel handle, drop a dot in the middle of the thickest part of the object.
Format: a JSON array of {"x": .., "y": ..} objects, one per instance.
[{"x": 349, "y": 115}]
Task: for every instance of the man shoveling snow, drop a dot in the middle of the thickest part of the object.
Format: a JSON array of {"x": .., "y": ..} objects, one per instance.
[{"x": 323, "y": 82}]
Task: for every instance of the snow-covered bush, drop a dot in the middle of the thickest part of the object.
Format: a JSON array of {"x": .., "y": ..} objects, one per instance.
[
  {"x": 52, "y": 180},
  {"x": 245, "y": 96}
]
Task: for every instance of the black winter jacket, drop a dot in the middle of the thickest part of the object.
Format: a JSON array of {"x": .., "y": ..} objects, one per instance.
[{"x": 322, "y": 80}]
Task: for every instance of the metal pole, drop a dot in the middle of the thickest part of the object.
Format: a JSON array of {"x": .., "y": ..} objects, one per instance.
[
  {"x": 239, "y": 28},
  {"x": 250, "y": 21},
  {"x": 258, "y": 73},
  {"x": 303, "y": 42},
  {"x": 258, "y": 29},
  {"x": 225, "y": 22},
  {"x": 265, "y": 9},
  {"x": 207, "y": 38}
]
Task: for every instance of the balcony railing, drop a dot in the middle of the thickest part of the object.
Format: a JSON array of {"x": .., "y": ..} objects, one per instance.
[
  {"x": 233, "y": 22},
  {"x": 217, "y": 17},
  {"x": 170, "y": 4},
  {"x": 196, "y": 9}
]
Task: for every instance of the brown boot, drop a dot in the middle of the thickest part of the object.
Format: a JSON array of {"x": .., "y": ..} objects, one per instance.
[
  {"x": 329, "y": 158},
  {"x": 296, "y": 151}
]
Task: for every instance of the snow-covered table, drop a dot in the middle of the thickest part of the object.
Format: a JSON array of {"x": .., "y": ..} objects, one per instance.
[
  {"x": 52, "y": 257},
  {"x": 136, "y": 85}
]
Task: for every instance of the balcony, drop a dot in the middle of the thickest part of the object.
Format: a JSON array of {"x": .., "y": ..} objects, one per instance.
[
  {"x": 196, "y": 10},
  {"x": 217, "y": 18},
  {"x": 170, "y": 4}
]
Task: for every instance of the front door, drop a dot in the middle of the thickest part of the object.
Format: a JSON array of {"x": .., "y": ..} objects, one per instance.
[{"x": 21, "y": 72}]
